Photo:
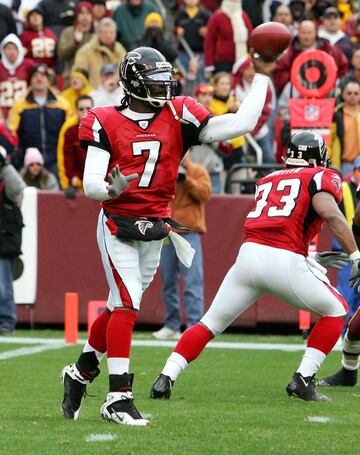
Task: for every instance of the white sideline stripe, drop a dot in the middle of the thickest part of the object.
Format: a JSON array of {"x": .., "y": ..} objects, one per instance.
[
  {"x": 28, "y": 340},
  {"x": 29, "y": 351},
  {"x": 166, "y": 344}
]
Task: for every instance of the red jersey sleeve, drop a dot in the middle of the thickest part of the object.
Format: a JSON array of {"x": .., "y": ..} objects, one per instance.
[
  {"x": 327, "y": 180},
  {"x": 91, "y": 132},
  {"x": 194, "y": 117}
]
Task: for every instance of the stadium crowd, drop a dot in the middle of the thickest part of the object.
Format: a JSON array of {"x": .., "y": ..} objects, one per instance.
[{"x": 58, "y": 55}]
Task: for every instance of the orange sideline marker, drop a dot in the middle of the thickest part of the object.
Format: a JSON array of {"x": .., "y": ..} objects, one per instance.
[
  {"x": 71, "y": 317},
  {"x": 304, "y": 320}
]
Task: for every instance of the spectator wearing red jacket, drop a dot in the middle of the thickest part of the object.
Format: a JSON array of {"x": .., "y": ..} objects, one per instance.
[
  {"x": 39, "y": 42},
  {"x": 226, "y": 38},
  {"x": 306, "y": 40}
]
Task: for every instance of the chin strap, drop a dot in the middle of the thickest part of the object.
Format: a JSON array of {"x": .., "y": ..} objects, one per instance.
[{"x": 170, "y": 104}]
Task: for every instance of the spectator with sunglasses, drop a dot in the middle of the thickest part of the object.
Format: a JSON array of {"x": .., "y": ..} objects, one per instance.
[{"x": 345, "y": 130}]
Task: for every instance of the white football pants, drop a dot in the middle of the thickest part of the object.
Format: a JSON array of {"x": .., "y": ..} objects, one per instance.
[
  {"x": 261, "y": 269},
  {"x": 129, "y": 266}
]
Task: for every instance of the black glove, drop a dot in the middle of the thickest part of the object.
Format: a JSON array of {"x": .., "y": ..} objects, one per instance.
[
  {"x": 70, "y": 192},
  {"x": 354, "y": 280}
]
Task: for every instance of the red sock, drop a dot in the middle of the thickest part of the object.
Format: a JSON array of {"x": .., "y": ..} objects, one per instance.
[
  {"x": 325, "y": 333},
  {"x": 192, "y": 343},
  {"x": 119, "y": 333},
  {"x": 97, "y": 338}
]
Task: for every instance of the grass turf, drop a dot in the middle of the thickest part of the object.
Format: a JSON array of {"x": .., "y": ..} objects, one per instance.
[{"x": 227, "y": 402}]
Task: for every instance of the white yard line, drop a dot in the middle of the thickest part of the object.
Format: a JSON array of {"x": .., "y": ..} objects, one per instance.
[
  {"x": 29, "y": 351},
  {"x": 46, "y": 344}
]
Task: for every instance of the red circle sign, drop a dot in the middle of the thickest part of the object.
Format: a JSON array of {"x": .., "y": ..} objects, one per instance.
[{"x": 314, "y": 73}]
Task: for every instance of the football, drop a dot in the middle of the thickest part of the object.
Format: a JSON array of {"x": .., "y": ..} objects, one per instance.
[{"x": 269, "y": 40}]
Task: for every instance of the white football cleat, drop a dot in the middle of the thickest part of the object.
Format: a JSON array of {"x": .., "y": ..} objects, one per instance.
[{"x": 119, "y": 407}]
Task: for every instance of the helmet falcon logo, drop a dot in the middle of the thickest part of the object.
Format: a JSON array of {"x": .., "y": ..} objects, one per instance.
[
  {"x": 132, "y": 58},
  {"x": 143, "y": 225}
]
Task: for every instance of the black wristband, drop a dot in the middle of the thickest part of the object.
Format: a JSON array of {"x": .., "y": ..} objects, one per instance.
[{"x": 356, "y": 229}]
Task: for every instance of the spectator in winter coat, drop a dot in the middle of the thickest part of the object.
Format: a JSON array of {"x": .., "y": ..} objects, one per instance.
[
  {"x": 226, "y": 37},
  {"x": 75, "y": 36},
  {"x": 307, "y": 39},
  {"x": 298, "y": 11},
  {"x": 34, "y": 174},
  {"x": 79, "y": 86},
  {"x": 282, "y": 14},
  {"x": 331, "y": 31},
  {"x": 109, "y": 92},
  {"x": 191, "y": 25},
  {"x": 71, "y": 157},
  {"x": 38, "y": 41},
  {"x": 130, "y": 17},
  {"x": 58, "y": 14},
  {"x": 154, "y": 37},
  {"x": 38, "y": 117},
  {"x": 100, "y": 50},
  {"x": 99, "y": 11},
  {"x": 344, "y": 145},
  {"x": 14, "y": 72}
]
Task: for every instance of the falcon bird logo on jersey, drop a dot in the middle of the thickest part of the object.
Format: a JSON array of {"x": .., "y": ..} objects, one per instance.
[
  {"x": 336, "y": 182},
  {"x": 143, "y": 225}
]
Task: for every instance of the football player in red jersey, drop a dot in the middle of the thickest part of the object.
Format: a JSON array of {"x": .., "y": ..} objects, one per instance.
[
  {"x": 290, "y": 207},
  {"x": 133, "y": 155}
]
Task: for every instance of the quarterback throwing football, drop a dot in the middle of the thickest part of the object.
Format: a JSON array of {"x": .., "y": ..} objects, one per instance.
[{"x": 133, "y": 156}]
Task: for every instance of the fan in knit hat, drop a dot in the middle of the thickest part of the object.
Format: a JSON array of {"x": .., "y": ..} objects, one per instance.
[{"x": 33, "y": 155}]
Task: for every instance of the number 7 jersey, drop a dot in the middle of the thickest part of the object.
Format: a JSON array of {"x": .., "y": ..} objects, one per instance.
[
  {"x": 151, "y": 148},
  {"x": 283, "y": 216}
]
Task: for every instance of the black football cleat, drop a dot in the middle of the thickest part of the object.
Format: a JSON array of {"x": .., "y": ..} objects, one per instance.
[
  {"x": 74, "y": 389},
  {"x": 304, "y": 388},
  {"x": 162, "y": 387},
  {"x": 344, "y": 378}
]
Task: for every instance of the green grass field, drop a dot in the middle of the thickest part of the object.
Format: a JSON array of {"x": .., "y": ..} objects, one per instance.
[{"x": 229, "y": 401}]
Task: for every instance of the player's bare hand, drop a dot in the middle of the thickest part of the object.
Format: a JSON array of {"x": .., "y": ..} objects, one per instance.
[
  {"x": 263, "y": 67},
  {"x": 118, "y": 182}
]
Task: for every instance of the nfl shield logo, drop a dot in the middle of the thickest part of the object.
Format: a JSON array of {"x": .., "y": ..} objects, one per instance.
[{"x": 312, "y": 113}]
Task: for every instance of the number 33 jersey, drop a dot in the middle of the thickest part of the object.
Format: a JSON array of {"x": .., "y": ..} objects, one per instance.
[
  {"x": 283, "y": 216},
  {"x": 151, "y": 148}
]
